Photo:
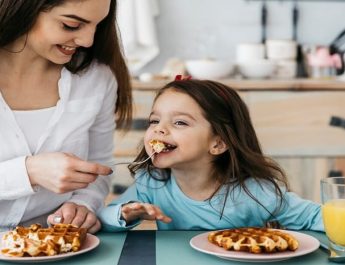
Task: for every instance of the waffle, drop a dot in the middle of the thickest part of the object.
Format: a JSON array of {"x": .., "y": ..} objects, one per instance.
[
  {"x": 37, "y": 241},
  {"x": 157, "y": 145},
  {"x": 254, "y": 240}
]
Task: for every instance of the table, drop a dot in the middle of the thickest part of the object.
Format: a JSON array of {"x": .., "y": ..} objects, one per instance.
[{"x": 166, "y": 248}]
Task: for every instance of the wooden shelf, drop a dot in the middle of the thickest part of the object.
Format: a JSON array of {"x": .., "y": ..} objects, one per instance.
[{"x": 256, "y": 85}]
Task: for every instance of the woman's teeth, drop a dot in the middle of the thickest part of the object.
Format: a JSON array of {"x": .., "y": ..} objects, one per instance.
[{"x": 68, "y": 48}]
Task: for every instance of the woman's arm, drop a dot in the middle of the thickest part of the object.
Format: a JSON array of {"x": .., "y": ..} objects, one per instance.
[
  {"x": 14, "y": 180},
  {"x": 100, "y": 147},
  {"x": 80, "y": 209}
]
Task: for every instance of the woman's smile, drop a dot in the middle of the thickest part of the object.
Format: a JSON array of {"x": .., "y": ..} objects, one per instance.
[{"x": 66, "y": 50}]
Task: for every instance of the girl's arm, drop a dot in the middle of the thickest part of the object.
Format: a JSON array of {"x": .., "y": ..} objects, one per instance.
[
  {"x": 134, "y": 205},
  {"x": 111, "y": 215},
  {"x": 133, "y": 211},
  {"x": 300, "y": 214},
  {"x": 295, "y": 213}
]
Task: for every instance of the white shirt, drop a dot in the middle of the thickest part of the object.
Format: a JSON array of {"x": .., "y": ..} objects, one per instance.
[
  {"x": 32, "y": 133},
  {"x": 82, "y": 124}
]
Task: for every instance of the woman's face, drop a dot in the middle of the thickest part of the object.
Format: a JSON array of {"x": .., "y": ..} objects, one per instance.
[
  {"x": 60, "y": 31},
  {"x": 177, "y": 120}
]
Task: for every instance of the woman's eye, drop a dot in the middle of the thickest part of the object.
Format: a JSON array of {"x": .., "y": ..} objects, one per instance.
[{"x": 70, "y": 28}]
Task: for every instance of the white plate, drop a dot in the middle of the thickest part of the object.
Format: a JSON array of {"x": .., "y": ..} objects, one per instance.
[
  {"x": 90, "y": 243},
  {"x": 307, "y": 244}
]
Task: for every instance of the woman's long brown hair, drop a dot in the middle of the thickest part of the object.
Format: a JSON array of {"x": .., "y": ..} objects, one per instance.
[
  {"x": 17, "y": 17},
  {"x": 230, "y": 119}
]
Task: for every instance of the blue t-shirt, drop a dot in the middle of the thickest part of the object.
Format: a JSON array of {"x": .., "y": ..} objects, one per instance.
[{"x": 188, "y": 214}]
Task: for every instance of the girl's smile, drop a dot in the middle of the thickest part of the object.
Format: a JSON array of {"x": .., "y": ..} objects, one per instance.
[{"x": 185, "y": 132}]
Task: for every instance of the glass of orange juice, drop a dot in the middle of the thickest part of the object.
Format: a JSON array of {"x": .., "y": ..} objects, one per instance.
[{"x": 333, "y": 213}]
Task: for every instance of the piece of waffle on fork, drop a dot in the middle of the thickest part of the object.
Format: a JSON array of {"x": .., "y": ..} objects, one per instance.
[
  {"x": 37, "y": 241},
  {"x": 254, "y": 239},
  {"x": 157, "y": 145}
]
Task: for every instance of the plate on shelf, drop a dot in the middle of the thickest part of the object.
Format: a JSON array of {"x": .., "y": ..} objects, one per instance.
[
  {"x": 91, "y": 242},
  {"x": 307, "y": 244}
]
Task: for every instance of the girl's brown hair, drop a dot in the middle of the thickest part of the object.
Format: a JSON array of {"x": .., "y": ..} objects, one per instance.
[
  {"x": 17, "y": 17},
  {"x": 229, "y": 118}
]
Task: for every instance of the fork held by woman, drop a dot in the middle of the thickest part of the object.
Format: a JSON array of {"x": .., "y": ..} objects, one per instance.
[{"x": 133, "y": 163}]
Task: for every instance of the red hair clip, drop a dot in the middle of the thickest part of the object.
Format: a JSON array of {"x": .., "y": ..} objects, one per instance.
[{"x": 180, "y": 77}]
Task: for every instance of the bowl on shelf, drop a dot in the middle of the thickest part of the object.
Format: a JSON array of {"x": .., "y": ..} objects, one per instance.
[
  {"x": 257, "y": 69},
  {"x": 209, "y": 69}
]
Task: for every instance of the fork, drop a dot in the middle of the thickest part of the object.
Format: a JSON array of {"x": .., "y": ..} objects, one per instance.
[
  {"x": 133, "y": 163},
  {"x": 274, "y": 224}
]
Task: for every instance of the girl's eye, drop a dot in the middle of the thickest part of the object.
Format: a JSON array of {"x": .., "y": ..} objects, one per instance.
[
  {"x": 70, "y": 28},
  {"x": 153, "y": 121},
  {"x": 180, "y": 123}
]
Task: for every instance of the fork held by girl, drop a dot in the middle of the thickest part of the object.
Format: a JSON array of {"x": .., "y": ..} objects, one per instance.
[{"x": 212, "y": 175}]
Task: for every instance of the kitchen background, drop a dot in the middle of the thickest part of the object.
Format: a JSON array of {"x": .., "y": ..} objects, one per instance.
[
  {"x": 194, "y": 29},
  {"x": 291, "y": 116}
]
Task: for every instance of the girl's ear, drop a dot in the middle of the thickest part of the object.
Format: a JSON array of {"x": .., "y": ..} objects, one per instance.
[{"x": 218, "y": 146}]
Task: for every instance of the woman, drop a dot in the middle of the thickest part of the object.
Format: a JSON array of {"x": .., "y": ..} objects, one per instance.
[{"x": 62, "y": 77}]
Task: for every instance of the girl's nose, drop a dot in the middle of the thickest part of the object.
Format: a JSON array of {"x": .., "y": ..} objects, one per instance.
[{"x": 160, "y": 130}]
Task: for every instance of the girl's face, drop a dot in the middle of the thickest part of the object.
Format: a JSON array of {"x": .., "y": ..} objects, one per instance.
[
  {"x": 60, "y": 31},
  {"x": 177, "y": 120}
]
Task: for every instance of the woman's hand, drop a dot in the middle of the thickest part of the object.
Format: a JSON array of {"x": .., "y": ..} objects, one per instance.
[
  {"x": 144, "y": 211},
  {"x": 61, "y": 172},
  {"x": 71, "y": 213}
]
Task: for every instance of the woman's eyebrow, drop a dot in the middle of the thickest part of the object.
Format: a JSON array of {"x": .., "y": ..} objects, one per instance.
[{"x": 77, "y": 18}]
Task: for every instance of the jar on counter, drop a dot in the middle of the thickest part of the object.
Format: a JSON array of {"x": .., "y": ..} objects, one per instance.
[{"x": 320, "y": 63}]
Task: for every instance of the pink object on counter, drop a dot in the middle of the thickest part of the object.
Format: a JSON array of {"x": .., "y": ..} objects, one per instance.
[
  {"x": 322, "y": 58},
  {"x": 337, "y": 60}
]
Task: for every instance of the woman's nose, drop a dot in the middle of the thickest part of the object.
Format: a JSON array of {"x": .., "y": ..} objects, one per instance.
[{"x": 85, "y": 38}]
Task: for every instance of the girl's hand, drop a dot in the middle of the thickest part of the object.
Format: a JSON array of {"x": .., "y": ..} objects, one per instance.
[
  {"x": 71, "y": 213},
  {"x": 61, "y": 172},
  {"x": 143, "y": 211}
]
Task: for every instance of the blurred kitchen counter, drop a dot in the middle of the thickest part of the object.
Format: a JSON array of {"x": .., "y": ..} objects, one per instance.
[
  {"x": 291, "y": 118},
  {"x": 261, "y": 84}
]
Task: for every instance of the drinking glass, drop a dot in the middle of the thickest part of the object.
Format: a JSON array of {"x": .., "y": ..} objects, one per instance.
[{"x": 333, "y": 214}]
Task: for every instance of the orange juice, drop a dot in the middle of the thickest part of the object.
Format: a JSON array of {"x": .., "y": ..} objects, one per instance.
[{"x": 333, "y": 213}]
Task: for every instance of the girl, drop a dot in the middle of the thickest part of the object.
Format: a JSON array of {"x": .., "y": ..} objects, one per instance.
[
  {"x": 212, "y": 173},
  {"x": 62, "y": 77}
]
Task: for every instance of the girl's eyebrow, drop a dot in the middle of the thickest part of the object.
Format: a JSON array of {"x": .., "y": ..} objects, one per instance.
[
  {"x": 77, "y": 18},
  {"x": 183, "y": 114},
  {"x": 176, "y": 113}
]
